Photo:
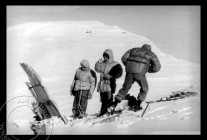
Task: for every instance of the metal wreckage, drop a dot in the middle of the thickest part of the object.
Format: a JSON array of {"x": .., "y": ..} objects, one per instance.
[{"x": 43, "y": 107}]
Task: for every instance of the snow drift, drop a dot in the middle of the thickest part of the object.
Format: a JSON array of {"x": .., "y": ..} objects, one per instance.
[{"x": 55, "y": 49}]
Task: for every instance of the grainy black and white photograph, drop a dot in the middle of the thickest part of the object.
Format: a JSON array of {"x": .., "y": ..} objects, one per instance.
[{"x": 103, "y": 69}]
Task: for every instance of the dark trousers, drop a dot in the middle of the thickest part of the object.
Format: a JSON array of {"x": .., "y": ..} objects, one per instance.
[
  {"x": 80, "y": 103},
  {"x": 129, "y": 80},
  {"x": 106, "y": 100}
]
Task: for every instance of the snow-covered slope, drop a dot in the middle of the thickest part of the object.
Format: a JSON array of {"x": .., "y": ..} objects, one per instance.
[
  {"x": 55, "y": 49},
  {"x": 173, "y": 117}
]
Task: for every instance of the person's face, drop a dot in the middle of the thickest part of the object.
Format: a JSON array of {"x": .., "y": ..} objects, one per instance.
[
  {"x": 83, "y": 67},
  {"x": 105, "y": 58}
]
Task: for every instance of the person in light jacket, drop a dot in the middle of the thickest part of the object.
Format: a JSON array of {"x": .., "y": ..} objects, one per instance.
[
  {"x": 82, "y": 88},
  {"x": 109, "y": 70}
]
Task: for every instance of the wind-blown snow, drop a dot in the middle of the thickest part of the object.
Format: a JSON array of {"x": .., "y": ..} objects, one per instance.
[{"x": 54, "y": 50}]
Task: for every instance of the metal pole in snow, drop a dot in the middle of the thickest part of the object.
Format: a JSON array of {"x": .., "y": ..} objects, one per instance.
[{"x": 146, "y": 108}]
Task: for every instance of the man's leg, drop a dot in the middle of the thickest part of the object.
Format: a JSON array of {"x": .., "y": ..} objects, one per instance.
[
  {"x": 144, "y": 88},
  {"x": 126, "y": 87},
  {"x": 106, "y": 99},
  {"x": 122, "y": 92},
  {"x": 103, "y": 103},
  {"x": 142, "y": 81},
  {"x": 75, "y": 105},
  {"x": 84, "y": 102}
]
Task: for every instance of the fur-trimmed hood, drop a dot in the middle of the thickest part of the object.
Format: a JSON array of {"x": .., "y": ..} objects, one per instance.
[{"x": 109, "y": 52}]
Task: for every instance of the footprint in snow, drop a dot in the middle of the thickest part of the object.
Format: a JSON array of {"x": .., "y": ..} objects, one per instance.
[{"x": 155, "y": 110}]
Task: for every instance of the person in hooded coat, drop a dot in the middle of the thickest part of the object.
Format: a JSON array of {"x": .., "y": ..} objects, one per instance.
[
  {"x": 137, "y": 62},
  {"x": 109, "y": 70},
  {"x": 82, "y": 88}
]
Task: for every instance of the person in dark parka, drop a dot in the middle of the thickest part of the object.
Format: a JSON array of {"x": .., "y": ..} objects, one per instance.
[
  {"x": 137, "y": 62},
  {"x": 82, "y": 88},
  {"x": 109, "y": 70}
]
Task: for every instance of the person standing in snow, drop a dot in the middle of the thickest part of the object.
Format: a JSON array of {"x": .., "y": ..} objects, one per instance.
[
  {"x": 109, "y": 70},
  {"x": 137, "y": 62},
  {"x": 82, "y": 88}
]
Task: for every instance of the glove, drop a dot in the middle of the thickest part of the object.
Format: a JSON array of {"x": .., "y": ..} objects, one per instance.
[
  {"x": 72, "y": 92},
  {"x": 71, "y": 88},
  {"x": 107, "y": 77},
  {"x": 100, "y": 60},
  {"x": 90, "y": 95}
]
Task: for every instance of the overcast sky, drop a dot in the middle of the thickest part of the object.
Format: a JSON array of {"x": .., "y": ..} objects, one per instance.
[{"x": 175, "y": 30}]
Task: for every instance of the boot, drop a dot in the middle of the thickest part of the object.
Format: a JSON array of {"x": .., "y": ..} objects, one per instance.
[
  {"x": 137, "y": 105},
  {"x": 127, "y": 97},
  {"x": 82, "y": 115},
  {"x": 132, "y": 102},
  {"x": 112, "y": 107}
]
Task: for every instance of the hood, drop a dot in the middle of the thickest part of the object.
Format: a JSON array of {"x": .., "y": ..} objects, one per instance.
[
  {"x": 85, "y": 63},
  {"x": 147, "y": 47},
  {"x": 110, "y": 54}
]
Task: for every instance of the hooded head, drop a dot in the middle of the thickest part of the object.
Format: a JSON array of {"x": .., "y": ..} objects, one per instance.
[
  {"x": 147, "y": 47},
  {"x": 84, "y": 65},
  {"x": 109, "y": 54}
]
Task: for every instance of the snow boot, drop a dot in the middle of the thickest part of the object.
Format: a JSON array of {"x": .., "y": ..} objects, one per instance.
[
  {"x": 111, "y": 110},
  {"x": 127, "y": 97},
  {"x": 112, "y": 107},
  {"x": 132, "y": 102},
  {"x": 137, "y": 106}
]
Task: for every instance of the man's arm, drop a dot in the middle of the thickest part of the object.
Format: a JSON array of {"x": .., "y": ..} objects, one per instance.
[
  {"x": 99, "y": 66},
  {"x": 125, "y": 56},
  {"x": 155, "y": 65},
  {"x": 73, "y": 84},
  {"x": 116, "y": 72},
  {"x": 93, "y": 81}
]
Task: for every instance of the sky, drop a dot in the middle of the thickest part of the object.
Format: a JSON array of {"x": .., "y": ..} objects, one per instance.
[{"x": 175, "y": 30}]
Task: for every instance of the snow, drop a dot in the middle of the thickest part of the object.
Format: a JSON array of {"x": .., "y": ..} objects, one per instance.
[
  {"x": 54, "y": 50},
  {"x": 173, "y": 117}
]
